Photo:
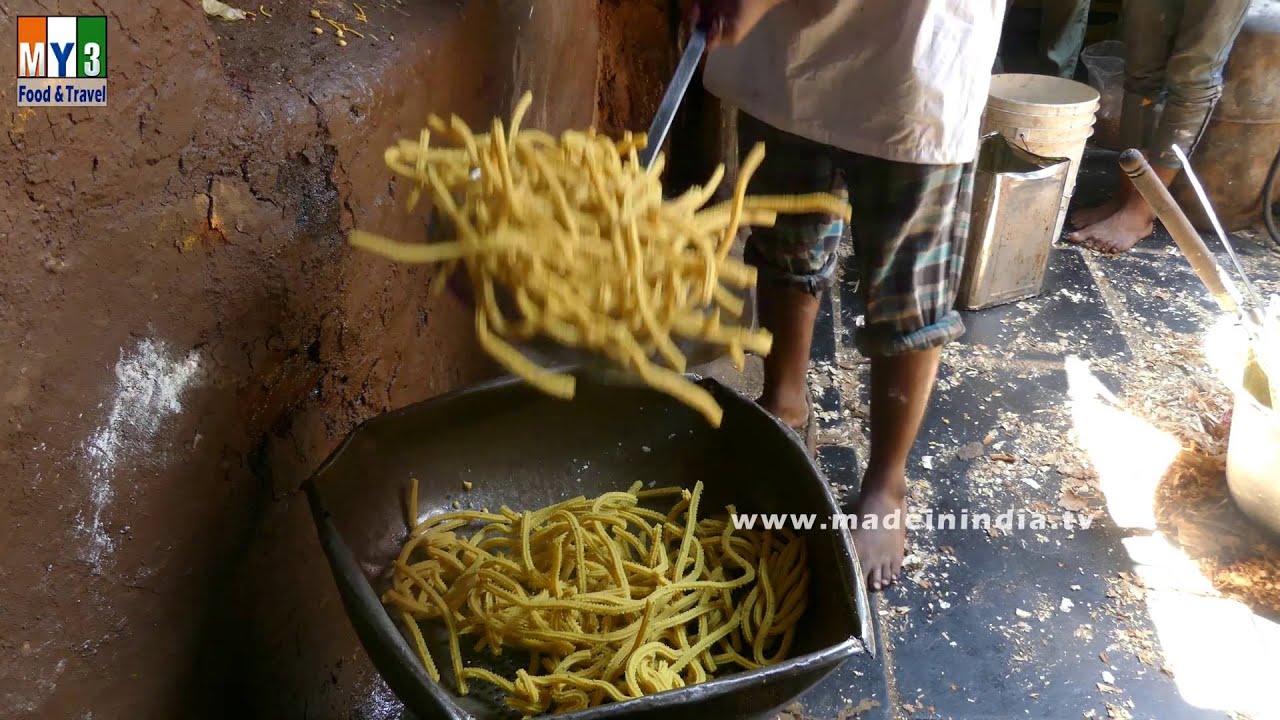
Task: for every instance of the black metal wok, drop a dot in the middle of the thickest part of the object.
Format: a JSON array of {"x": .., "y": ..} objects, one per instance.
[{"x": 525, "y": 450}]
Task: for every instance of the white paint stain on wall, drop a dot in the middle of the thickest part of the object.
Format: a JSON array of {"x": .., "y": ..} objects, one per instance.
[{"x": 150, "y": 382}]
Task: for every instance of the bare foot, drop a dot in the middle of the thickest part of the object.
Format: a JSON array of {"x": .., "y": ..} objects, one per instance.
[
  {"x": 791, "y": 408},
  {"x": 1081, "y": 218},
  {"x": 880, "y": 549},
  {"x": 1120, "y": 231}
]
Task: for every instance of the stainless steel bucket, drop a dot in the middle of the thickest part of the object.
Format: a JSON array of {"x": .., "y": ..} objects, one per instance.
[{"x": 1253, "y": 460}]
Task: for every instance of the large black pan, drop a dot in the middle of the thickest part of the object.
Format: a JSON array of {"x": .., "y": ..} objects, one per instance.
[{"x": 521, "y": 449}]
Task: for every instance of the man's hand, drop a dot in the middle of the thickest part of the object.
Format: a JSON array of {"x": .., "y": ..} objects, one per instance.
[{"x": 727, "y": 22}]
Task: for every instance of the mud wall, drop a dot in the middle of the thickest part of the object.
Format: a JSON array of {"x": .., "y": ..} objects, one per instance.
[
  {"x": 639, "y": 50},
  {"x": 636, "y": 59},
  {"x": 184, "y": 335}
]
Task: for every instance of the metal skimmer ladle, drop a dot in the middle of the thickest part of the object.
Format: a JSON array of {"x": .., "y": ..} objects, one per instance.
[
  {"x": 671, "y": 100},
  {"x": 554, "y": 356}
]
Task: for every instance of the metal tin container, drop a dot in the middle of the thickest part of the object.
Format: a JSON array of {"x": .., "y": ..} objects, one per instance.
[
  {"x": 1017, "y": 199},
  {"x": 1253, "y": 460}
]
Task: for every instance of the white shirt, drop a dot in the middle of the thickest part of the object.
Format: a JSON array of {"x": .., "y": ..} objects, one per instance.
[{"x": 902, "y": 80}]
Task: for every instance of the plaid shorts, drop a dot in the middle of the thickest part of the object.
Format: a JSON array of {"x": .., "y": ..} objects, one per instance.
[{"x": 910, "y": 223}]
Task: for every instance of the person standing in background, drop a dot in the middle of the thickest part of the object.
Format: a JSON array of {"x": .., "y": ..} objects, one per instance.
[
  {"x": 1174, "y": 51},
  {"x": 1062, "y": 28},
  {"x": 888, "y": 95}
]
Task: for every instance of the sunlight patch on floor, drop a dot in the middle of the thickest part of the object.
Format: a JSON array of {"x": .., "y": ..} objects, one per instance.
[
  {"x": 1222, "y": 656},
  {"x": 1129, "y": 454},
  {"x": 1213, "y": 647}
]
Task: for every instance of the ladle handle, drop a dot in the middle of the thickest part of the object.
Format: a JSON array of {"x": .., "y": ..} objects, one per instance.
[
  {"x": 1184, "y": 234},
  {"x": 673, "y": 97}
]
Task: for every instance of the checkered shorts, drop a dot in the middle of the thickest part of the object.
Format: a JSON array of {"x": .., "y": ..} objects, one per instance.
[{"x": 909, "y": 228}]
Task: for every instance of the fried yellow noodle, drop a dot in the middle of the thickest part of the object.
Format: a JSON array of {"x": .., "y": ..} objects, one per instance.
[
  {"x": 609, "y": 599},
  {"x": 579, "y": 235}
]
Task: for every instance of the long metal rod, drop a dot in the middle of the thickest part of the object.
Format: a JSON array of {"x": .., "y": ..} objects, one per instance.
[
  {"x": 1217, "y": 226},
  {"x": 674, "y": 96}
]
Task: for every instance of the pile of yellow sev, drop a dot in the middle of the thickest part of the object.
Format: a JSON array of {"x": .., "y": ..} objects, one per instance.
[
  {"x": 577, "y": 233},
  {"x": 609, "y": 599}
]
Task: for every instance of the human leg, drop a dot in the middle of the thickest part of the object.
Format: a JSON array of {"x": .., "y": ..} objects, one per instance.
[
  {"x": 1205, "y": 32},
  {"x": 789, "y": 314},
  {"x": 1194, "y": 77},
  {"x": 1062, "y": 27},
  {"x": 910, "y": 224},
  {"x": 795, "y": 259},
  {"x": 1150, "y": 27}
]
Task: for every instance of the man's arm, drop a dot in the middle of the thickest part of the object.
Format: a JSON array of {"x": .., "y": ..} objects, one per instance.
[{"x": 727, "y": 22}]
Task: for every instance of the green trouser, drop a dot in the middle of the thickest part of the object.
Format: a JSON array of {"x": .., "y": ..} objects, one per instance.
[
  {"x": 1174, "y": 51},
  {"x": 1062, "y": 27}
]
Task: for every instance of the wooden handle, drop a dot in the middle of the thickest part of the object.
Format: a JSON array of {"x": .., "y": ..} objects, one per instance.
[{"x": 1176, "y": 222}]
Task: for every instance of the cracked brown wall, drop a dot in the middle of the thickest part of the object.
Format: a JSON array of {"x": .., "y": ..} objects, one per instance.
[
  {"x": 184, "y": 335},
  {"x": 636, "y": 59}
]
